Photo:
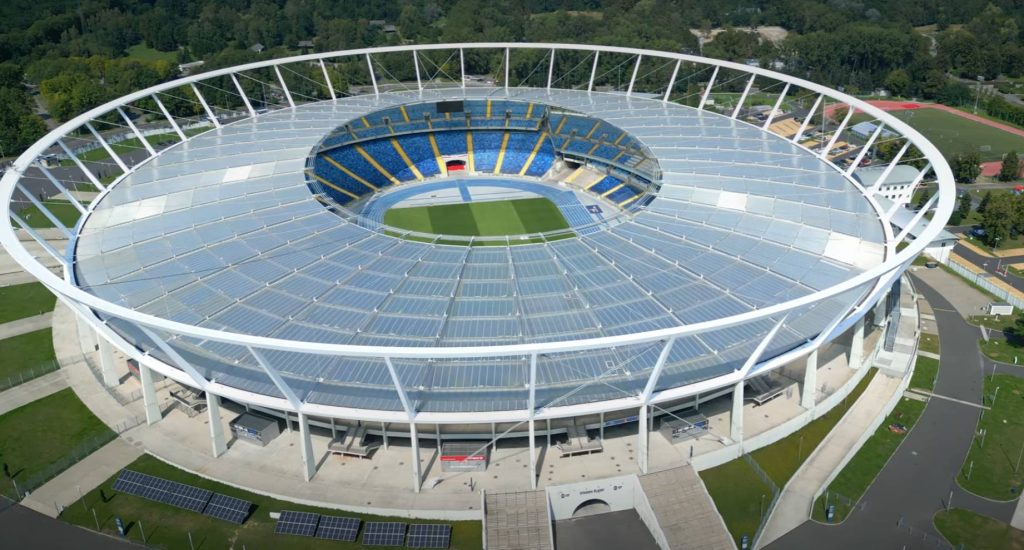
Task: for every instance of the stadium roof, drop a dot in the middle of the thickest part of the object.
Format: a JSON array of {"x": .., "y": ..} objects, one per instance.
[{"x": 222, "y": 232}]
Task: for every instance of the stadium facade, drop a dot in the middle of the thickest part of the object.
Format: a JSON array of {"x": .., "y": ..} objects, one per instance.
[{"x": 707, "y": 246}]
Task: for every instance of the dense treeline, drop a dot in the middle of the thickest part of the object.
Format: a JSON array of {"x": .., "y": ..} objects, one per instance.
[{"x": 74, "y": 51}]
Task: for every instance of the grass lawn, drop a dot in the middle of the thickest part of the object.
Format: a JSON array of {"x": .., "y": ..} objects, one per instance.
[
  {"x": 25, "y": 352},
  {"x": 953, "y": 134},
  {"x": 736, "y": 490},
  {"x": 781, "y": 459},
  {"x": 20, "y": 301},
  {"x": 168, "y": 527},
  {"x": 1003, "y": 350},
  {"x": 484, "y": 219},
  {"x": 142, "y": 52},
  {"x": 993, "y": 473},
  {"x": 40, "y": 434},
  {"x": 925, "y": 371},
  {"x": 972, "y": 531},
  {"x": 157, "y": 141},
  {"x": 63, "y": 210},
  {"x": 929, "y": 343},
  {"x": 858, "y": 474}
]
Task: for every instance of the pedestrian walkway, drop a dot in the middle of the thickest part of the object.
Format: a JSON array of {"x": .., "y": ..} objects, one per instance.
[
  {"x": 23, "y": 394},
  {"x": 26, "y": 325},
  {"x": 63, "y": 490},
  {"x": 798, "y": 496}
]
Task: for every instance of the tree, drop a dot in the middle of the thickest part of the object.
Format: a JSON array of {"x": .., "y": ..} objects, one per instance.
[
  {"x": 983, "y": 204},
  {"x": 923, "y": 200},
  {"x": 998, "y": 218},
  {"x": 1010, "y": 168},
  {"x": 966, "y": 167},
  {"x": 898, "y": 82},
  {"x": 964, "y": 208}
]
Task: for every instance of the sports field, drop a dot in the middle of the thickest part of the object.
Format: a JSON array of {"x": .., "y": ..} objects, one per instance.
[
  {"x": 480, "y": 219},
  {"x": 953, "y": 134}
]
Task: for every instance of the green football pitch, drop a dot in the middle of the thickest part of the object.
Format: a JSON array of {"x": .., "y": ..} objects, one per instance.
[
  {"x": 953, "y": 134},
  {"x": 480, "y": 219}
]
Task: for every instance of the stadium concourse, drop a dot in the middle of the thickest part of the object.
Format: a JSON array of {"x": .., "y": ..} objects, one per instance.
[{"x": 405, "y": 300}]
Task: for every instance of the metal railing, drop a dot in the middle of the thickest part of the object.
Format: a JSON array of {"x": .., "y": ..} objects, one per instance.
[{"x": 28, "y": 375}]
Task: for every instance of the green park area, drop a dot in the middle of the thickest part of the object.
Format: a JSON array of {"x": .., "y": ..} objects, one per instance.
[
  {"x": 142, "y": 52},
  {"x": 26, "y": 356},
  {"x": 992, "y": 468},
  {"x": 20, "y": 301},
  {"x": 45, "y": 437},
  {"x": 63, "y": 210},
  {"x": 968, "y": 530},
  {"x": 953, "y": 134},
  {"x": 168, "y": 527}
]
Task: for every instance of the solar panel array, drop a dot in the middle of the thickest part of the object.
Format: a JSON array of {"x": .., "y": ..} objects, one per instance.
[
  {"x": 302, "y": 524},
  {"x": 338, "y": 528},
  {"x": 383, "y": 533},
  {"x": 183, "y": 496},
  {"x": 228, "y": 508},
  {"x": 162, "y": 490},
  {"x": 429, "y": 536}
]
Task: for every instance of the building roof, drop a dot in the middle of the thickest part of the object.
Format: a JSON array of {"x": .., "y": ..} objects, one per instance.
[
  {"x": 901, "y": 174},
  {"x": 222, "y": 231}
]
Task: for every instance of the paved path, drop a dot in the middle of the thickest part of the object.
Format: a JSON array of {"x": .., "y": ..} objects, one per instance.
[
  {"x": 25, "y": 528},
  {"x": 797, "y": 497},
  {"x": 23, "y": 394},
  {"x": 66, "y": 488},
  {"x": 26, "y": 325},
  {"x": 897, "y": 509}
]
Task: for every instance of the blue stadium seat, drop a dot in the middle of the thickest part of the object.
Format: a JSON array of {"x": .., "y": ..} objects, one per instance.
[
  {"x": 622, "y": 194},
  {"x": 485, "y": 149},
  {"x": 351, "y": 159},
  {"x": 451, "y": 142},
  {"x": 605, "y": 185},
  {"x": 417, "y": 147}
]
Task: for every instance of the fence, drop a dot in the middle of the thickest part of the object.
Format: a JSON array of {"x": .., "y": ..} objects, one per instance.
[
  {"x": 16, "y": 487},
  {"x": 30, "y": 374},
  {"x": 983, "y": 280},
  {"x": 767, "y": 480}
]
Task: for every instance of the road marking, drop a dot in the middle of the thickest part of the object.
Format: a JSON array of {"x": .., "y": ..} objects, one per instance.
[
  {"x": 953, "y": 399},
  {"x": 945, "y": 310}
]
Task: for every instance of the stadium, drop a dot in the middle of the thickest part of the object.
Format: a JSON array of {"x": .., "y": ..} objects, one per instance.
[{"x": 462, "y": 259}]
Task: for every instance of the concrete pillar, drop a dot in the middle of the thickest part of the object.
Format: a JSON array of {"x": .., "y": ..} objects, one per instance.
[
  {"x": 810, "y": 381},
  {"x": 600, "y": 431},
  {"x": 384, "y": 434},
  {"x": 417, "y": 475},
  {"x": 548, "y": 442},
  {"x": 533, "y": 459},
  {"x": 308, "y": 462},
  {"x": 437, "y": 431},
  {"x": 86, "y": 334},
  {"x": 334, "y": 430},
  {"x": 149, "y": 395},
  {"x": 108, "y": 368},
  {"x": 857, "y": 345},
  {"x": 220, "y": 445},
  {"x": 736, "y": 429},
  {"x": 494, "y": 438},
  {"x": 641, "y": 448}
]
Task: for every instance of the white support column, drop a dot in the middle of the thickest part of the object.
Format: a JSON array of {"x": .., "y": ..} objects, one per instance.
[
  {"x": 149, "y": 395},
  {"x": 642, "y": 437},
  {"x": 494, "y": 437},
  {"x": 284, "y": 87},
  {"x": 174, "y": 123},
  {"x": 600, "y": 431},
  {"x": 736, "y": 424},
  {"x": 632, "y": 79},
  {"x": 864, "y": 150},
  {"x": 857, "y": 345},
  {"x": 743, "y": 97},
  {"x": 672, "y": 81},
  {"x": 462, "y": 69},
  {"x": 245, "y": 98},
  {"x": 548, "y": 428},
  {"x": 384, "y": 434},
  {"x": 138, "y": 135},
  {"x": 92, "y": 177},
  {"x": 533, "y": 457},
  {"x": 308, "y": 461},
  {"x": 775, "y": 108},
  {"x": 106, "y": 147},
  {"x": 220, "y": 445},
  {"x": 707, "y": 91},
  {"x": 888, "y": 169},
  {"x": 86, "y": 334},
  {"x": 551, "y": 68},
  {"x": 330, "y": 85},
  {"x": 373, "y": 77},
  {"x": 807, "y": 397},
  {"x": 206, "y": 106},
  {"x": 108, "y": 368},
  {"x": 417, "y": 474},
  {"x": 416, "y": 65},
  {"x": 508, "y": 57},
  {"x": 807, "y": 119},
  {"x": 593, "y": 71},
  {"x": 839, "y": 130},
  {"x": 334, "y": 430}
]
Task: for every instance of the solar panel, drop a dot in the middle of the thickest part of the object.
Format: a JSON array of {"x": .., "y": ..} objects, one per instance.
[
  {"x": 429, "y": 536},
  {"x": 302, "y": 524},
  {"x": 162, "y": 490},
  {"x": 228, "y": 508},
  {"x": 338, "y": 528},
  {"x": 378, "y": 533}
]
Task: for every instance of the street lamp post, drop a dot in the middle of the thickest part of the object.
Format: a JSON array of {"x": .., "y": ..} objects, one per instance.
[{"x": 978, "y": 94}]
